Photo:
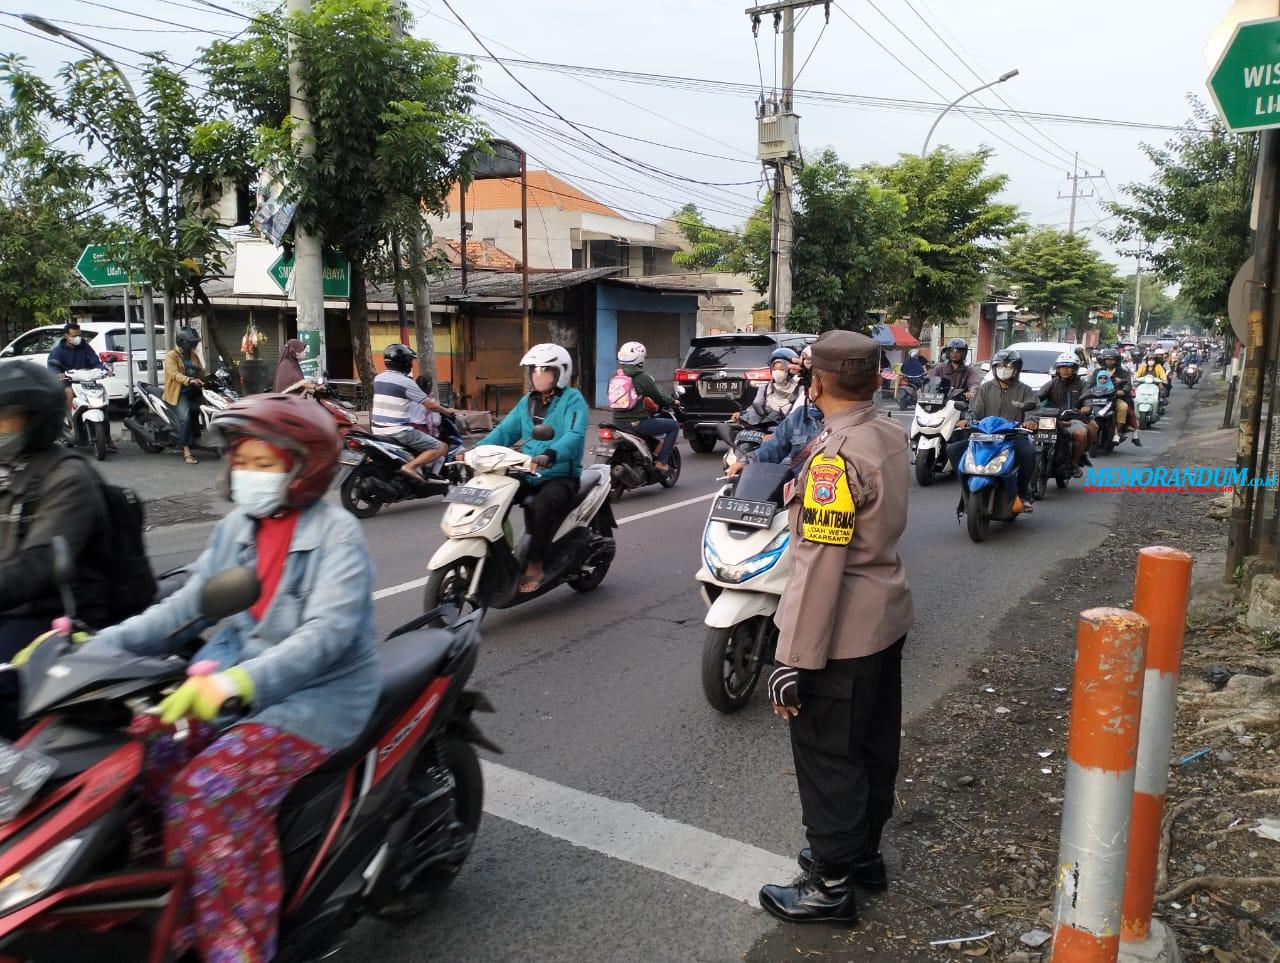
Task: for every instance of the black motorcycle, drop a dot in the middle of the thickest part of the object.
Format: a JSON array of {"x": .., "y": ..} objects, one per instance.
[
  {"x": 371, "y": 477},
  {"x": 1054, "y": 455},
  {"x": 632, "y": 457},
  {"x": 908, "y": 390},
  {"x": 1101, "y": 403}
]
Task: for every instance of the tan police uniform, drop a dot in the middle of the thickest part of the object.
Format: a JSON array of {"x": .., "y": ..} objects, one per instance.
[{"x": 844, "y": 616}]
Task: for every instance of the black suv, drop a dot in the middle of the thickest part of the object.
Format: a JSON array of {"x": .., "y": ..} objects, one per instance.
[{"x": 721, "y": 375}]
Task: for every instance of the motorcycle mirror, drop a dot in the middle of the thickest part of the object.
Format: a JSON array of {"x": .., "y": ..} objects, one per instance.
[
  {"x": 229, "y": 592},
  {"x": 542, "y": 433}
]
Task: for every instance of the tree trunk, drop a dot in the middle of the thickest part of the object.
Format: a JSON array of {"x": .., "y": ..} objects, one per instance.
[
  {"x": 212, "y": 326},
  {"x": 422, "y": 325},
  {"x": 915, "y": 324},
  {"x": 359, "y": 317}
]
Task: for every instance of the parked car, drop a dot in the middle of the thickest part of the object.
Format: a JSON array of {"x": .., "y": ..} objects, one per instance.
[
  {"x": 106, "y": 337},
  {"x": 1038, "y": 358},
  {"x": 721, "y": 375}
]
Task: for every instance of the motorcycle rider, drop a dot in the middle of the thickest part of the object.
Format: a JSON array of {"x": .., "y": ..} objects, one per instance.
[
  {"x": 913, "y": 367},
  {"x": 790, "y": 440},
  {"x": 183, "y": 379},
  {"x": 1064, "y": 390},
  {"x": 551, "y": 402},
  {"x": 1154, "y": 364},
  {"x": 649, "y": 399},
  {"x": 963, "y": 376},
  {"x": 69, "y": 504},
  {"x": 73, "y": 353},
  {"x": 777, "y": 396},
  {"x": 1123, "y": 381},
  {"x": 1003, "y": 397},
  {"x": 399, "y": 403},
  {"x": 302, "y": 660}
]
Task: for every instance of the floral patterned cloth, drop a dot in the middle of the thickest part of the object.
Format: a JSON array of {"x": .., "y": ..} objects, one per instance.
[{"x": 220, "y": 797}]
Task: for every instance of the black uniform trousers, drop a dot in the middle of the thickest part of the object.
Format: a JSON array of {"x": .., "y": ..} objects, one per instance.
[
  {"x": 845, "y": 742},
  {"x": 545, "y": 512}
]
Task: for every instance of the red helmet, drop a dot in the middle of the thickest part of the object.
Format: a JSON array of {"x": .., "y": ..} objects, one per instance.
[{"x": 295, "y": 425}]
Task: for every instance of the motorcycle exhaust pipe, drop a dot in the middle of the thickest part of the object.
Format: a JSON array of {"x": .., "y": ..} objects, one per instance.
[{"x": 383, "y": 490}]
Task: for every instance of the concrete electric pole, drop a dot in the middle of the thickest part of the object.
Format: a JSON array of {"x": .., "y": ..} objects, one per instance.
[
  {"x": 779, "y": 148},
  {"x": 1076, "y": 177},
  {"x": 308, "y": 259}
]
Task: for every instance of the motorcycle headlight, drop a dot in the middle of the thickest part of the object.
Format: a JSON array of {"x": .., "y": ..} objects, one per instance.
[
  {"x": 471, "y": 525},
  {"x": 993, "y": 467},
  {"x": 38, "y": 876},
  {"x": 929, "y": 422},
  {"x": 751, "y": 567}
]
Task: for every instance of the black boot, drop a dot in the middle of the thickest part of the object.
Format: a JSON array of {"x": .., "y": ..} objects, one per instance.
[
  {"x": 868, "y": 870},
  {"x": 812, "y": 899}
]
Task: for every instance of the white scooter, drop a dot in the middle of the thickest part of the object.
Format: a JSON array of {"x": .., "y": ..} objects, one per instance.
[
  {"x": 154, "y": 424},
  {"x": 481, "y": 565},
  {"x": 744, "y": 570},
  {"x": 939, "y": 407},
  {"x": 1147, "y": 398},
  {"x": 87, "y": 422}
]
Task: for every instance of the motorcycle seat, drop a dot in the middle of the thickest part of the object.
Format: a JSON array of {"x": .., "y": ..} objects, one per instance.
[{"x": 406, "y": 664}]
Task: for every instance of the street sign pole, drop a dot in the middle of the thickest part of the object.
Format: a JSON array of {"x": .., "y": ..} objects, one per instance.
[{"x": 128, "y": 342}]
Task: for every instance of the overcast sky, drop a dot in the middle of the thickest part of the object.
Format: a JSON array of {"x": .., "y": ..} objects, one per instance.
[{"x": 1127, "y": 60}]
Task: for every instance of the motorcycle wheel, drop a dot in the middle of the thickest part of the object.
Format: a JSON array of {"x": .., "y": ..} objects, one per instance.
[
  {"x": 1062, "y": 480},
  {"x": 356, "y": 498},
  {"x": 727, "y": 679},
  {"x": 924, "y": 467},
  {"x": 448, "y": 587},
  {"x": 904, "y": 401},
  {"x": 460, "y": 759},
  {"x": 702, "y": 444},
  {"x": 1042, "y": 480},
  {"x": 591, "y": 578},
  {"x": 99, "y": 435},
  {"x": 145, "y": 415},
  {"x": 673, "y": 476},
  {"x": 975, "y": 515}
]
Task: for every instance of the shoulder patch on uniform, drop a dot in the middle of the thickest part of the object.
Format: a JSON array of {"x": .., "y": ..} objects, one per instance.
[{"x": 827, "y": 515}]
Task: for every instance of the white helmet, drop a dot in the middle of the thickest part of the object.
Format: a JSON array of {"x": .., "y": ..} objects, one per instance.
[
  {"x": 550, "y": 356},
  {"x": 1067, "y": 360},
  {"x": 633, "y": 352}
]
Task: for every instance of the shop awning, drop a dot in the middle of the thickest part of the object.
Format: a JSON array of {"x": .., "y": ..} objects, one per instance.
[{"x": 894, "y": 336}]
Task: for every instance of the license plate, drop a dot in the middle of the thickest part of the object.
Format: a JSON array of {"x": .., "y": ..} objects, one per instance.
[
  {"x": 721, "y": 387},
  {"x": 750, "y": 438},
  {"x": 1047, "y": 437},
  {"x": 985, "y": 439},
  {"x": 604, "y": 451},
  {"x": 22, "y": 773},
  {"x": 351, "y": 458},
  {"x": 931, "y": 398},
  {"x": 739, "y": 511},
  {"x": 468, "y": 496}
]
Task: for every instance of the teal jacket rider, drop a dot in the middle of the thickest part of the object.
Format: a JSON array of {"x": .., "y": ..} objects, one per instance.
[{"x": 567, "y": 415}]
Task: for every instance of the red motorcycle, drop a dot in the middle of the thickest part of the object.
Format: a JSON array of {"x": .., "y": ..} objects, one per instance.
[{"x": 392, "y": 815}]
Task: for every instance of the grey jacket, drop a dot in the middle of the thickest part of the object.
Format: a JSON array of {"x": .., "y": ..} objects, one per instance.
[{"x": 312, "y": 658}]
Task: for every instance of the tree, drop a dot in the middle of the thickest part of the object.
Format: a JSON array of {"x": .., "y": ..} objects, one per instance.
[
  {"x": 712, "y": 248},
  {"x": 1053, "y": 274},
  {"x": 393, "y": 124},
  {"x": 850, "y": 249},
  {"x": 1158, "y": 310},
  {"x": 46, "y": 217},
  {"x": 1195, "y": 210},
  {"x": 955, "y": 227}
]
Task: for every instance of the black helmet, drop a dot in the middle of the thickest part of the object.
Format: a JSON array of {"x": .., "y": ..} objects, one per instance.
[
  {"x": 1010, "y": 357},
  {"x": 187, "y": 339},
  {"x": 399, "y": 357},
  {"x": 1109, "y": 354},
  {"x": 958, "y": 344},
  {"x": 39, "y": 393}
]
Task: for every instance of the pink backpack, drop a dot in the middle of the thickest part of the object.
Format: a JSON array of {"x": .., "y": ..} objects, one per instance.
[{"x": 622, "y": 392}]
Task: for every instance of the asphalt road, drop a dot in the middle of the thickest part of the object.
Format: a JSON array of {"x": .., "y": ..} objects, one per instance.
[{"x": 598, "y": 698}]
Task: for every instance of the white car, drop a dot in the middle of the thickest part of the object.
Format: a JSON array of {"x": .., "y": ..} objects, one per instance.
[
  {"x": 106, "y": 337},
  {"x": 1038, "y": 358}
]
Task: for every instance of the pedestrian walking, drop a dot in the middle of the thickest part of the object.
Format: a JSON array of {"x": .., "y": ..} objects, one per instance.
[
  {"x": 842, "y": 623},
  {"x": 289, "y": 368}
]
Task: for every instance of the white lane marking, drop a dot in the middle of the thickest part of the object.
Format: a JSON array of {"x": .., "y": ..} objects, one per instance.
[
  {"x": 625, "y": 831},
  {"x": 418, "y": 583}
]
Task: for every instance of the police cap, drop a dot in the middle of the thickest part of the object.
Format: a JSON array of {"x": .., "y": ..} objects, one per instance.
[{"x": 846, "y": 352}]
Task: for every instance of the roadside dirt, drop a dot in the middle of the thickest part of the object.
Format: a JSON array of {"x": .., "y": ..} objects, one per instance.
[{"x": 974, "y": 847}]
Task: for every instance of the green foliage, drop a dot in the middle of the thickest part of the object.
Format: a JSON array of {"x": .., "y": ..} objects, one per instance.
[
  {"x": 46, "y": 218},
  {"x": 1055, "y": 274},
  {"x": 955, "y": 227},
  {"x": 851, "y": 247},
  {"x": 1195, "y": 209},
  {"x": 712, "y": 249}
]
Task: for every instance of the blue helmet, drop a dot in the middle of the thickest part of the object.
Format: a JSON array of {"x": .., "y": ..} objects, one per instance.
[{"x": 783, "y": 354}]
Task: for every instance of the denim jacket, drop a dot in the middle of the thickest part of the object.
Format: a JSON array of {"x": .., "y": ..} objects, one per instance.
[
  {"x": 799, "y": 428},
  {"x": 312, "y": 659}
]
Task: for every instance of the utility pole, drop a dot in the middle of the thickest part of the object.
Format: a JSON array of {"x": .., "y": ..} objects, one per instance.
[
  {"x": 1076, "y": 177},
  {"x": 1137, "y": 300},
  {"x": 308, "y": 259},
  {"x": 779, "y": 148}
]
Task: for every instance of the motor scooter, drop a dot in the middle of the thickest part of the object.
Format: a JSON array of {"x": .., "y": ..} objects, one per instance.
[
  {"x": 744, "y": 570},
  {"x": 1150, "y": 405},
  {"x": 939, "y": 408},
  {"x": 909, "y": 390},
  {"x": 989, "y": 474},
  {"x": 1191, "y": 374},
  {"x": 154, "y": 424},
  {"x": 87, "y": 423},
  {"x": 481, "y": 564},
  {"x": 388, "y": 820},
  {"x": 632, "y": 457},
  {"x": 371, "y": 465}
]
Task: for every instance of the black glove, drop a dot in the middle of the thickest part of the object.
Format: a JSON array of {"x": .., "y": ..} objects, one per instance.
[{"x": 784, "y": 686}]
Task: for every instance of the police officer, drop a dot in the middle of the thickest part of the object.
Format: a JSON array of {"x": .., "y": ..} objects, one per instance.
[{"x": 842, "y": 624}]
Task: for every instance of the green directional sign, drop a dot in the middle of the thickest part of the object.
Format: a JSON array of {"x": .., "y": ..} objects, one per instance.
[
  {"x": 337, "y": 274},
  {"x": 1246, "y": 82},
  {"x": 98, "y": 270}
]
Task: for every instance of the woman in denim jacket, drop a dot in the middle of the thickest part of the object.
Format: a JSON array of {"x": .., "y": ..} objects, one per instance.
[{"x": 301, "y": 662}]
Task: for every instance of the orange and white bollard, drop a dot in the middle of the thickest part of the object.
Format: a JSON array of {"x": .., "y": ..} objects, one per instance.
[
  {"x": 1161, "y": 593},
  {"x": 1102, "y": 748}
]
